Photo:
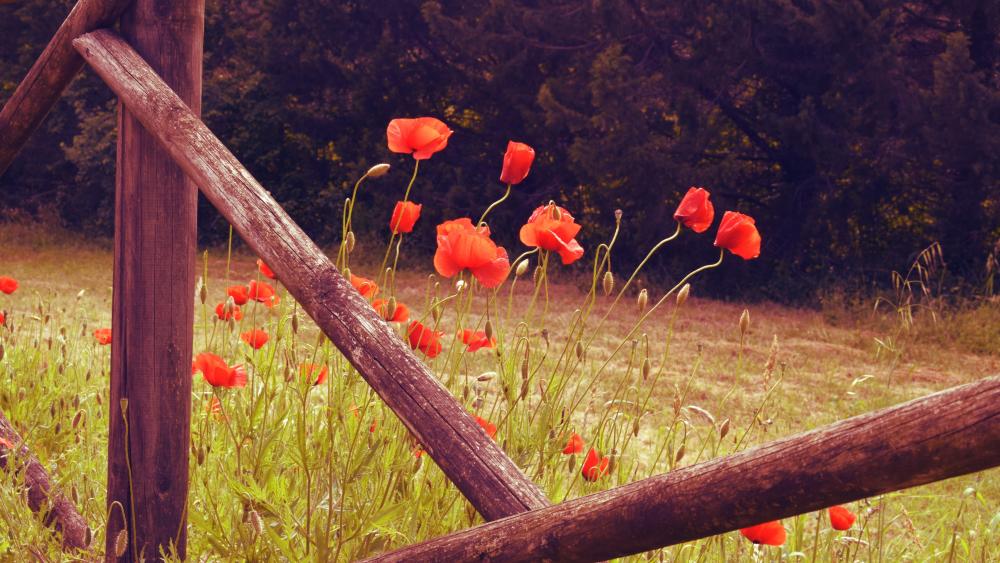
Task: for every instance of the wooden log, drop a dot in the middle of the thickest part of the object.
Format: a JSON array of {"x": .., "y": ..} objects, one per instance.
[
  {"x": 943, "y": 435},
  {"x": 50, "y": 75},
  {"x": 42, "y": 495},
  {"x": 152, "y": 307},
  {"x": 480, "y": 469}
]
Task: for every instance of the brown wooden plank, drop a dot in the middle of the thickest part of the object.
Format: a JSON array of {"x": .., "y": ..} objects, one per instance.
[
  {"x": 153, "y": 305},
  {"x": 42, "y": 495},
  {"x": 943, "y": 435},
  {"x": 480, "y": 469},
  {"x": 50, "y": 75}
]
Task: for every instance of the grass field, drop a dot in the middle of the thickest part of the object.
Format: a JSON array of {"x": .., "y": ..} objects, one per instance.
[{"x": 293, "y": 471}]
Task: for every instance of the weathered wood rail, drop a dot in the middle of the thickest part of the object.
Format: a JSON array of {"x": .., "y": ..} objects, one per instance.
[
  {"x": 473, "y": 462},
  {"x": 59, "y": 511},
  {"x": 50, "y": 75},
  {"x": 943, "y": 435}
]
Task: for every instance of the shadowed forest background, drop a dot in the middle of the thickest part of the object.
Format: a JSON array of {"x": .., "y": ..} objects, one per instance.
[{"x": 856, "y": 132}]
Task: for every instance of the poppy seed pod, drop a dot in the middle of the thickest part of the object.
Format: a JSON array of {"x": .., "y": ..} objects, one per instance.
[
  {"x": 744, "y": 322},
  {"x": 378, "y": 170}
]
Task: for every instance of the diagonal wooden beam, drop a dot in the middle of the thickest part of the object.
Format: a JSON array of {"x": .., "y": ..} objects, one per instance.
[
  {"x": 59, "y": 511},
  {"x": 473, "y": 462},
  {"x": 50, "y": 75},
  {"x": 943, "y": 435}
]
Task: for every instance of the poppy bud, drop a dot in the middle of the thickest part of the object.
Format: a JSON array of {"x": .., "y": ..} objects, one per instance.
[
  {"x": 724, "y": 429},
  {"x": 618, "y": 216},
  {"x": 436, "y": 313},
  {"x": 524, "y": 389},
  {"x": 680, "y": 454},
  {"x": 256, "y": 522},
  {"x": 390, "y": 307},
  {"x": 635, "y": 428},
  {"x": 682, "y": 295},
  {"x": 121, "y": 542},
  {"x": 524, "y": 370},
  {"x": 744, "y": 322},
  {"x": 347, "y": 273},
  {"x": 378, "y": 170},
  {"x": 579, "y": 350},
  {"x": 643, "y": 300},
  {"x": 488, "y": 330},
  {"x": 522, "y": 267},
  {"x": 537, "y": 275},
  {"x": 609, "y": 282},
  {"x": 203, "y": 294},
  {"x": 1, "y": 351},
  {"x": 645, "y": 369},
  {"x": 295, "y": 323},
  {"x": 349, "y": 241}
]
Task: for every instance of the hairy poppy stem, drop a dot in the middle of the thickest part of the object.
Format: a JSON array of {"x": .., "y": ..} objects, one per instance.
[{"x": 506, "y": 194}]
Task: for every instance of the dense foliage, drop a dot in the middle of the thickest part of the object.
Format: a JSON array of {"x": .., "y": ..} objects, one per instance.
[{"x": 856, "y": 131}]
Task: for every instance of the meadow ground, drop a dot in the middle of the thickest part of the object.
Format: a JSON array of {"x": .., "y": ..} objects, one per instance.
[{"x": 293, "y": 471}]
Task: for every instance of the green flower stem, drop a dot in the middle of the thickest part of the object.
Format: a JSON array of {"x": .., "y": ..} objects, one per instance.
[{"x": 494, "y": 204}]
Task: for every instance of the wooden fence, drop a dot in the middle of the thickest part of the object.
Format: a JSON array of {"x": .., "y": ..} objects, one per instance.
[{"x": 154, "y": 68}]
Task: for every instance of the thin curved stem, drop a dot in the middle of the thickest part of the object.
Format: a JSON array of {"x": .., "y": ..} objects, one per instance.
[{"x": 494, "y": 204}]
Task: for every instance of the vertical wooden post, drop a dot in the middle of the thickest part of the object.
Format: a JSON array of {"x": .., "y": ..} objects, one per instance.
[{"x": 153, "y": 305}]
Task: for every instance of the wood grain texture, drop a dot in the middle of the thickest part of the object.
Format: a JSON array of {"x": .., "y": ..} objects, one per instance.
[
  {"x": 950, "y": 433},
  {"x": 153, "y": 306},
  {"x": 50, "y": 75},
  {"x": 473, "y": 462},
  {"x": 60, "y": 512}
]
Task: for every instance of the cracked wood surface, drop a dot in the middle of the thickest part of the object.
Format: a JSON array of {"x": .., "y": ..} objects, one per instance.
[
  {"x": 494, "y": 485},
  {"x": 59, "y": 512},
  {"x": 950, "y": 433},
  {"x": 152, "y": 318},
  {"x": 50, "y": 75}
]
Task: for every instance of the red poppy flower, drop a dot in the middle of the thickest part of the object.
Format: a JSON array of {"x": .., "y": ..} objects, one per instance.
[
  {"x": 263, "y": 293},
  {"x": 476, "y": 339},
  {"x": 404, "y": 216},
  {"x": 427, "y": 340},
  {"x": 307, "y": 371},
  {"x": 489, "y": 427},
  {"x": 400, "y": 315},
  {"x": 234, "y": 313},
  {"x": 422, "y": 136},
  {"x": 366, "y": 287},
  {"x": 264, "y": 269},
  {"x": 2, "y": 319},
  {"x": 841, "y": 518},
  {"x": 256, "y": 338},
  {"x": 595, "y": 466},
  {"x": 768, "y": 533},
  {"x": 552, "y": 228},
  {"x": 103, "y": 336},
  {"x": 8, "y": 285},
  {"x": 238, "y": 293},
  {"x": 461, "y": 246},
  {"x": 695, "y": 210},
  {"x": 574, "y": 445},
  {"x": 516, "y": 162},
  {"x": 217, "y": 373},
  {"x": 738, "y": 234}
]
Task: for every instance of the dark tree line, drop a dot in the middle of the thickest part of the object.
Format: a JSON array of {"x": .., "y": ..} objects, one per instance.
[{"x": 855, "y": 131}]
